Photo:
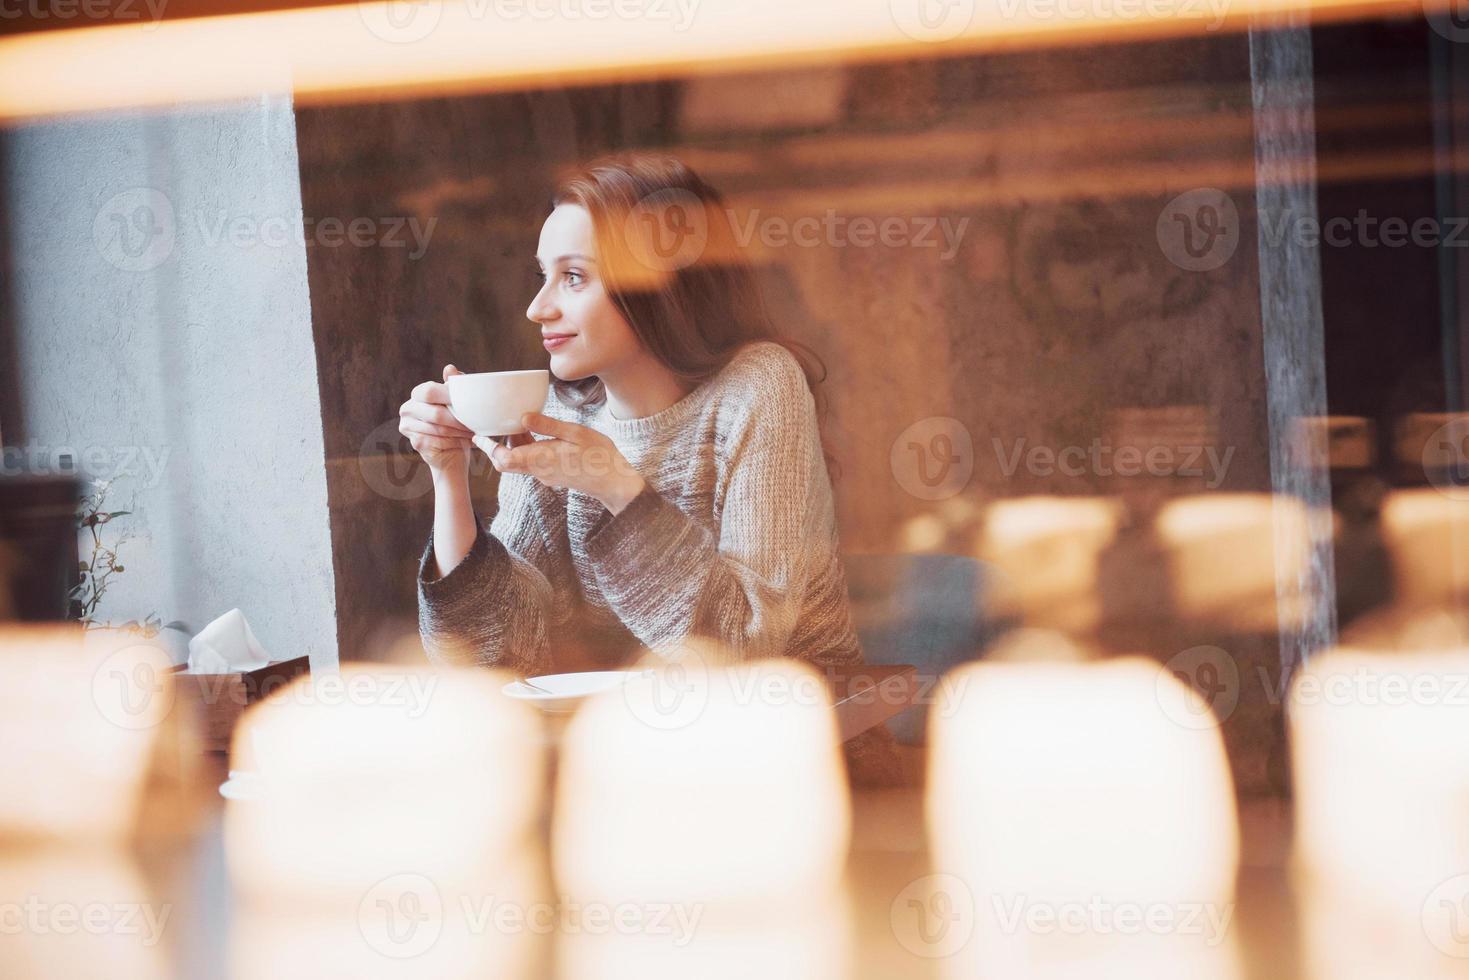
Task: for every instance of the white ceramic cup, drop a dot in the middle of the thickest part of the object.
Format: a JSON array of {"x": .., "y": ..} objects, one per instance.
[{"x": 492, "y": 403}]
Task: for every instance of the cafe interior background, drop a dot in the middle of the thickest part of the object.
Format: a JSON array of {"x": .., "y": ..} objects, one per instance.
[{"x": 1144, "y": 328}]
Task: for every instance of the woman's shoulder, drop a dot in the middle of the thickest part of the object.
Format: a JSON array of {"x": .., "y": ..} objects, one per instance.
[{"x": 763, "y": 374}]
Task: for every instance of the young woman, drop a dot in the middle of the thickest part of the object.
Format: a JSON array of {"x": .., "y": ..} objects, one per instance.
[{"x": 681, "y": 490}]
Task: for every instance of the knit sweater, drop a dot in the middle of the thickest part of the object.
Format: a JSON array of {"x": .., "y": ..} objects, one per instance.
[{"x": 733, "y": 538}]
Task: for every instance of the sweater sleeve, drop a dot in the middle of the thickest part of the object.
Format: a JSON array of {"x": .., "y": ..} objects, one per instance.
[
  {"x": 493, "y": 608},
  {"x": 668, "y": 576}
]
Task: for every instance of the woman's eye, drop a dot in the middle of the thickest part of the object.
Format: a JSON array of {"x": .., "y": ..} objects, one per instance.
[{"x": 574, "y": 278}]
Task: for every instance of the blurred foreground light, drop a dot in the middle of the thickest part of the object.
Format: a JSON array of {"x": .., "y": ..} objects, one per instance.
[
  {"x": 704, "y": 784},
  {"x": 1079, "y": 826},
  {"x": 1224, "y": 553},
  {"x": 1048, "y": 549},
  {"x": 1350, "y": 934},
  {"x": 371, "y": 49},
  {"x": 1079, "y": 780},
  {"x": 1427, "y": 536},
  {"x": 81, "y": 912},
  {"x": 379, "y": 772},
  {"x": 81, "y": 722},
  {"x": 675, "y": 941},
  {"x": 405, "y": 926},
  {"x": 1382, "y": 778}
]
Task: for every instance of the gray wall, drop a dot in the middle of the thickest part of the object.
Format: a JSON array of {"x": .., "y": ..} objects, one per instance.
[{"x": 163, "y": 338}]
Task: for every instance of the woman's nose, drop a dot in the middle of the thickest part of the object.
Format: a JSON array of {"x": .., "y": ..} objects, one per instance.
[{"x": 541, "y": 308}]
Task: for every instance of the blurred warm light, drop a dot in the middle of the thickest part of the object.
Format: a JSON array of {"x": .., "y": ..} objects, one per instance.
[
  {"x": 82, "y": 912},
  {"x": 699, "y": 783},
  {"x": 1048, "y": 549},
  {"x": 1432, "y": 440},
  {"x": 380, "y": 772},
  {"x": 1347, "y": 934},
  {"x": 690, "y": 941},
  {"x": 1031, "y": 645},
  {"x": 1079, "y": 827},
  {"x": 370, "y": 49},
  {"x": 1072, "y": 782},
  {"x": 81, "y": 723},
  {"x": 405, "y": 926},
  {"x": 1427, "y": 537},
  {"x": 1224, "y": 553},
  {"x": 1348, "y": 441},
  {"x": 1382, "y": 773}
]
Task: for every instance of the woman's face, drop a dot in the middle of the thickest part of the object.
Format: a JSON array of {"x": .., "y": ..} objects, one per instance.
[{"x": 573, "y": 303}]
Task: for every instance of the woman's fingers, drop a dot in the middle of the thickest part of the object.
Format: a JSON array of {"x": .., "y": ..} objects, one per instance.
[
  {"x": 450, "y": 370},
  {"x": 420, "y": 442},
  {"x": 434, "y": 392},
  {"x": 410, "y": 424},
  {"x": 436, "y": 414}
]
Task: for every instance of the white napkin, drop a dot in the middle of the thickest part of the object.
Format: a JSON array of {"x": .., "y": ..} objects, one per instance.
[{"x": 226, "y": 646}]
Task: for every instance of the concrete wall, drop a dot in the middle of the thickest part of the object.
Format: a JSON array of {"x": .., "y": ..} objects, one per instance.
[{"x": 163, "y": 338}]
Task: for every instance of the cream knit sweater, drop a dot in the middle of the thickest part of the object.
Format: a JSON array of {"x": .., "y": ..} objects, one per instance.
[{"x": 733, "y": 538}]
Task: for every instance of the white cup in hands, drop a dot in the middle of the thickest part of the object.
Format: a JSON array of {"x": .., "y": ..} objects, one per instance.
[
  {"x": 492, "y": 403},
  {"x": 431, "y": 428}
]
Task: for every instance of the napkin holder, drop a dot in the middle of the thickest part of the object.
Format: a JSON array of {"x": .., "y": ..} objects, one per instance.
[{"x": 218, "y": 699}]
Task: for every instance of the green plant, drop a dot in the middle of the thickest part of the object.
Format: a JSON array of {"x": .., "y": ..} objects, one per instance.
[{"x": 98, "y": 570}]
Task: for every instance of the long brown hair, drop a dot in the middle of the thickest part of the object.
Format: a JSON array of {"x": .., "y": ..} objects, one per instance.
[{"x": 692, "y": 306}]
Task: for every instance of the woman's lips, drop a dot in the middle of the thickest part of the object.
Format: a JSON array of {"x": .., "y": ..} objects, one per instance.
[{"x": 556, "y": 340}]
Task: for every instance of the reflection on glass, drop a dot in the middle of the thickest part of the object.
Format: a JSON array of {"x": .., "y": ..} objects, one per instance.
[{"x": 704, "y": 783}]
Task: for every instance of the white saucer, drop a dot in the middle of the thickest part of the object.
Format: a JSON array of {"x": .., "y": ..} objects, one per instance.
[
  {"x": 242, "y": 785},
  {"x": 563, "y": 692}
]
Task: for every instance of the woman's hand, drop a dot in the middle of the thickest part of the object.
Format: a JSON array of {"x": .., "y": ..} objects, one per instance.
[
  {"x": 432, "y": 430},
  {"x": 575, "y": 457}
]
